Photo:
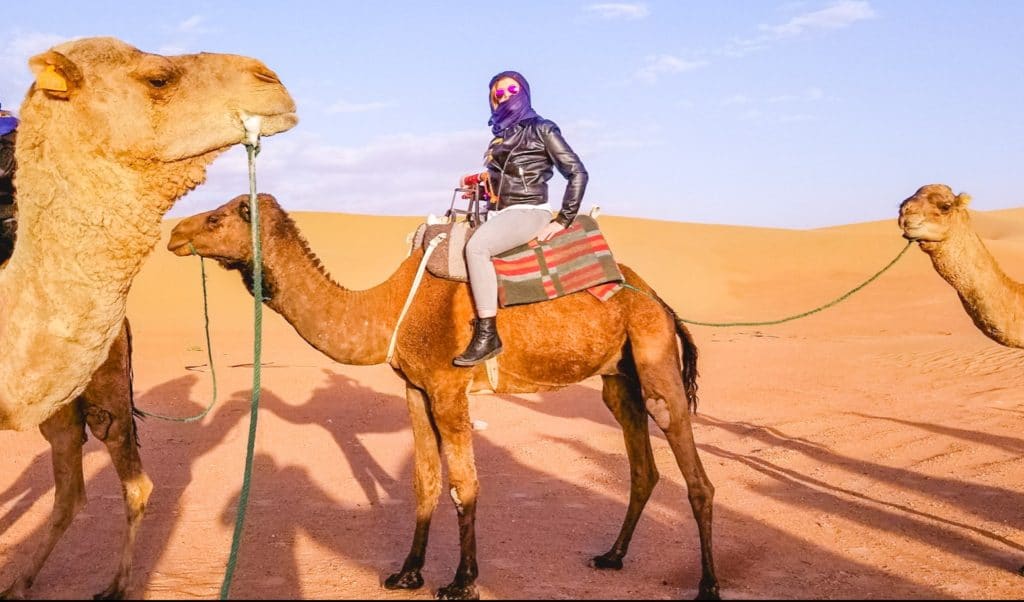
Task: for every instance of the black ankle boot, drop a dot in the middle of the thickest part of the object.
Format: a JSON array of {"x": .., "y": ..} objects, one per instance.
[{"x": 485, "y": 344}]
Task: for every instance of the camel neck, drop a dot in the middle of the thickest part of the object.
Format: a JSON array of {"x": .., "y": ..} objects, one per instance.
[
  {"x": 992, "y": 299},
  {"x": 350, "y": 327},
  {"x": 68, "y": 279}
]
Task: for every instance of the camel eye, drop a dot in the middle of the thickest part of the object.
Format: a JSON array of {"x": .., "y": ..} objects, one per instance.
[
  {"x": 158, "y": 83},
  {"x": 213, "y": 220},
  {"x": 945, "y": 206}
]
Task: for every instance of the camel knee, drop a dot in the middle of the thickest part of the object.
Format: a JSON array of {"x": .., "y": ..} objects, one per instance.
[
  {"x": 660, "y": 411},
  {"x": 67, "y": 507},
  {"x": 464, "y": 496},
  {"x": 702, "y": 496},
  {"x": 100, "y": 422},
  {"x": 136, "y": 494}
]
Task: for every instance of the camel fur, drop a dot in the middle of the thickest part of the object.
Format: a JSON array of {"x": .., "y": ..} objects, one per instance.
[
  {"x": 109, "y": 138},
  {"x": 645, "y": 356}
]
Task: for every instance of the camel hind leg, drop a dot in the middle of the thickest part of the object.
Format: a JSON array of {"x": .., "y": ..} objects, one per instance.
[
  {"x": 108, "y": 409},
  {"x": 65, "y": 432},
  {"x": 622, "y": 396},
  {"x": 669, "y": 390}
]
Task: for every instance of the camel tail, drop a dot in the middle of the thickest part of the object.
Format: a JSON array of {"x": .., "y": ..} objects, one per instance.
[
  {"x": 690, "y": 372},
  {"x": 130, "y": 375},
  {"x": 689, "y": 358}
]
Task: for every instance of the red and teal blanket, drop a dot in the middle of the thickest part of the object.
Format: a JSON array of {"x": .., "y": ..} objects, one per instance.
[{"x": 574, "y": 260}]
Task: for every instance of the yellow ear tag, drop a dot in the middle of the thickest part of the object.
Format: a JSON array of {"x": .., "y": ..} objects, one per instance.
[{"x": 50, "y": 79}]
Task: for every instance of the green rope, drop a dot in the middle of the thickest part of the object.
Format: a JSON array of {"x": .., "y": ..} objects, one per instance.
[
  {"x": 257, "y": 293},
  {"x": 209, "y": 358},
  {"x": 845, "y": 296}
]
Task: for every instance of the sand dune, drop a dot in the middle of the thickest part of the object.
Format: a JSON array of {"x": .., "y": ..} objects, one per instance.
[{"x": 872, "y": 450}]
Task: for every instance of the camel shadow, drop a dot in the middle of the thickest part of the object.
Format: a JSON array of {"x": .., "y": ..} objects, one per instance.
[
  {"x": 974, "y": 498},
  {"x": 367, "y": 412},
  {"x": 1009, "y": 444},
  {"x": 537, "y": 529},
  {"x": 96, "y": 531}
]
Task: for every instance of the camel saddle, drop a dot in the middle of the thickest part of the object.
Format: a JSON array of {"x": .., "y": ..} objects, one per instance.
[{"x": 573, "y": 260}]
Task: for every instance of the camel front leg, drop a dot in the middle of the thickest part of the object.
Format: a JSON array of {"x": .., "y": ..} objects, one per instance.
[
  {"x": 451, "y": 414},
  {"x": 426, "y": 484},
  {"x": 65, "y": 432},
  {"x": 622, "y": 397},
  {"x": 108, "y": 412}
]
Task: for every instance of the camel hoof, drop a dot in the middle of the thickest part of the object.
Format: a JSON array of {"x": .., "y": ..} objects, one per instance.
[
  {"x": 111, "y": 593},
  {"x": 458, "y": 592},
  {"x": 607, "y": 562},
  {"x": 13, "y": 593},
  {"x": 708, "y": 592},
  {"x": 404, "y": 580}
]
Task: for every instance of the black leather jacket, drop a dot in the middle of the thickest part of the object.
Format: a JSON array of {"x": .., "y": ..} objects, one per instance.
[{"x": 519, "y": 165}]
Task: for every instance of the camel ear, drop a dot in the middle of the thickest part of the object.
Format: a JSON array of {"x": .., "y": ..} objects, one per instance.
[
  {"x": 963, "y": 199},
  {"x": 55, "y": 74}
]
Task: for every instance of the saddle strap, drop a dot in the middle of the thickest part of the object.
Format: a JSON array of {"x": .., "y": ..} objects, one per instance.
[{"x": 412, "y": 291}]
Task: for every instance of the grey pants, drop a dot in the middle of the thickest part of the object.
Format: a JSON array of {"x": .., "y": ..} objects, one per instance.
[{"x": 501, "y": 232}]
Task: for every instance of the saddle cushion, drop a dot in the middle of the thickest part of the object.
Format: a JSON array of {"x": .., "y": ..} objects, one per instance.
[{"x": 573, "y": 260}]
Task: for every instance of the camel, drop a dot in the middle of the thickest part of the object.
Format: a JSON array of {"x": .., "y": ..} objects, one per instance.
[
  {"x": 106, "y": 406},
  {"x": 939, "y": 222},
  {"x": 110, "y": 137},
  {"x": 630, "y": 340}
]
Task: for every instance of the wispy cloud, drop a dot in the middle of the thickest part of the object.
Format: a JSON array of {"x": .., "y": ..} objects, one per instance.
[
  {"x": 666, "y": 64},
  {"x": 305, "y": 171},
  {"x": 184, "y": 36},
  {"x": 619, "y": 10},
  {"x": 838, "y": 15},
  {"x": 191, "y": 25},
  {"x": 344, "y": 106}
]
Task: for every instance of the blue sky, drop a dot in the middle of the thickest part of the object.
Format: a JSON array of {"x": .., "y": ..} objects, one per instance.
[{"x": 779, "y": 113}]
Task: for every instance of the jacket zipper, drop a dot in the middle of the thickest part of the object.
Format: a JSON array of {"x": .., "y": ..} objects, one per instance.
[{"x": 501, "y": 184}]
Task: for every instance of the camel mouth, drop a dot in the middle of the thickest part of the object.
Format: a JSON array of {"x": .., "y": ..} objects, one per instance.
[{"x": 179, "y": 248}]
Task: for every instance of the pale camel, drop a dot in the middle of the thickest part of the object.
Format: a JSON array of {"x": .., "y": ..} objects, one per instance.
[
  {"x": 110, "y": 137},
  {"x": 107, "y": 407},
  {"x": 630, "y": 340},
  {"x": 939, "y": 222}
]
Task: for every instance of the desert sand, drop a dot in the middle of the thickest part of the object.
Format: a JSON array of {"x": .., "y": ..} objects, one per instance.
[{"x": 873, "y": 450}]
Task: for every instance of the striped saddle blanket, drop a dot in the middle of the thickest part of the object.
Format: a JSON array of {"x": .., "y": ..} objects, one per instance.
[{"x": 574, "y": 260}]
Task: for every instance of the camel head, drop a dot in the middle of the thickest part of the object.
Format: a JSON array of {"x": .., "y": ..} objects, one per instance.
[
  {"x": 224, "y": 234},
  {"x": 102, "y": 101},
  {"x": 932, "y": 214}
]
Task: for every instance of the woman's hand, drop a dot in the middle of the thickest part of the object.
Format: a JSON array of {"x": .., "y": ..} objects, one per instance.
[{"x": 549, "y": 231}]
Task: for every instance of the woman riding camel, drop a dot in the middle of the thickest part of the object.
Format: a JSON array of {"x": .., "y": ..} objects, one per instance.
[{"x": 519, "y": 163}]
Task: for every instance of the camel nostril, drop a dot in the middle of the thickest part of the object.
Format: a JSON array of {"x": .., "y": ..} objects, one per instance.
[{"x": 266, "y": 75}]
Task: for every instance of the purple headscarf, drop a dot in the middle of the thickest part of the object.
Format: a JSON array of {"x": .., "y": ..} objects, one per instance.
[
  {"x": 513, "y": 110},
  {"x": 8, "y": 123}
]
